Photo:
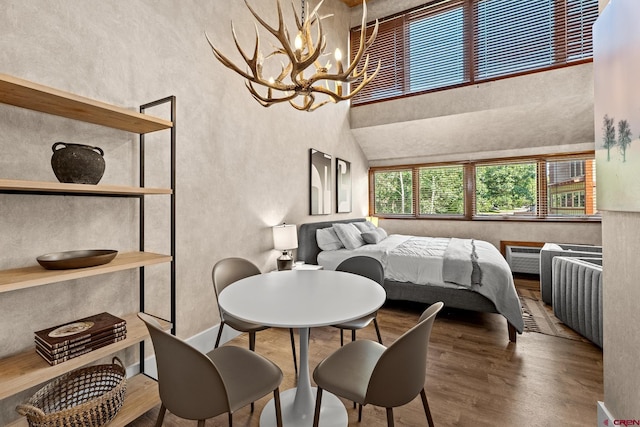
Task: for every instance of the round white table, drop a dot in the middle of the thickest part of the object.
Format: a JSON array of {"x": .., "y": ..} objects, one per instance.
[{"x": 303, "y": 299}]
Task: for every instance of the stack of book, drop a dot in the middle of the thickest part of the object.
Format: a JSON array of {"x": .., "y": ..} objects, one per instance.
[{"x": 64, "y": 342}]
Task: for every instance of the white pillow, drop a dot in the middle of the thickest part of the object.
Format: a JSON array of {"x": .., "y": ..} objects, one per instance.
[
  {"x": 374, "y": 236},
  {"x": 364, "y": 226},
  {"x": 349, "y": 235},
  {"x": 327, "y": 239}
]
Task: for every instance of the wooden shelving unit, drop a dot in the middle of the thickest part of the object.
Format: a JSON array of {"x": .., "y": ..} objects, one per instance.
[{"x": 27, "y": 369}]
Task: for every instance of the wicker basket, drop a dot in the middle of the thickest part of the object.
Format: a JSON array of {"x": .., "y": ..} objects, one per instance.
[{"x": 86, "y": 397}]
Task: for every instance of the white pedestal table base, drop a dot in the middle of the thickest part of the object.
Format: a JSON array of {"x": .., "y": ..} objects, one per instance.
[{"x": 333, "y": 413}]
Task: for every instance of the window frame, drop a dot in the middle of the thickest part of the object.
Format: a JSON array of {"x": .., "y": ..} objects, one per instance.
[{"x": 469, "y": 179}]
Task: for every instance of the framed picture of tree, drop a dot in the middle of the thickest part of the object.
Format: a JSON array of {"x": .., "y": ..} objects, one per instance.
[
  {"x": 616, "y": 60},
  {"x": 343, "y": 186},
  {"x": 319, "y": 183}
]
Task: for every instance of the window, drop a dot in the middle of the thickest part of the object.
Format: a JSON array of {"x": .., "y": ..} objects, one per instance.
[
  {"x": 436, "y": 49},
  {"x": 541, "y": 188},
  {"x": 506, "y": 189},
  {"x": 441, "y": 190},
  {"x": 445, "y": 43},
  {"x": 575, "y": 182},
  {"x": 394, "y": 192}
]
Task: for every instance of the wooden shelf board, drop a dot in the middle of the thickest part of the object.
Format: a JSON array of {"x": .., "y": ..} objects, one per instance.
[
  {"x": 56, "y": 187},
  {"x": 27, "y": 277},
  {"x": 33, "y": 96},
  {"x": 27, "y": 369},
  {"x": 142, "y": 395}
]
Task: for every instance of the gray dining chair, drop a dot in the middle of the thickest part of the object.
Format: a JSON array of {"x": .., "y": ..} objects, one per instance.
[
  {"x": 371, "y": 268},
  {"x": 367, "y": 372},
  {"x": 225, "y": 272},
  {"x": 198, "y": 386}
]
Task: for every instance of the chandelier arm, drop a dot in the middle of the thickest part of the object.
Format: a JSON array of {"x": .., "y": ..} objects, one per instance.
[
  {"x": 227, "y": 63},
  {"x": 309, "y": 99},
  {"x": 362, "y": 49},
  {"x": 267, "y": 99},
  {"x": 314, "y": 54},
  {"x": 336, "y": 98},
  {"x": 281, "y": 33}
]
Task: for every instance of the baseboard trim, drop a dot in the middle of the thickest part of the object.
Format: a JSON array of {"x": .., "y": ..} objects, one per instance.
[
  {"x": 203, "y": 341},
  {"x": 604, "y": 416}
]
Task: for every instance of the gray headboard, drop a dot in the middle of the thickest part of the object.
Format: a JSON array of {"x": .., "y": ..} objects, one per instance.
[{"x": 308, "y": 249}]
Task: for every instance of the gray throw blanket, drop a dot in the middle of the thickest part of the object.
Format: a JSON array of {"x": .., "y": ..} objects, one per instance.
[{"x": 479, "y": 266}]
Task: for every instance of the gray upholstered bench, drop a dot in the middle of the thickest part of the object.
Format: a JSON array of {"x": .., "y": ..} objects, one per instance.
[
  {"x": 551, "y": 250},
  {"x": 577, "y": 295}
]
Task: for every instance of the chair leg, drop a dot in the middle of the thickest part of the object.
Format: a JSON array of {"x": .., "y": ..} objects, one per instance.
[
  {"x": 201, "y": 423},
  {"x": 163, "y": 410},
  {"x": 341, "y": 337},
  {"x": 390, "y": 417},
  {"x": 427, "y": 411},
  {"x": 252, "y": 341},
  {"x": 231, "y": 419},
  {"x": 375, "y": 323},
  {"x": 219, "y": 335},
  {"x": 316, "y": 413},
  {"x": 293, "y": 350},
  {"x": 276, "y": 398},
  {"x": 359, "y": 412},
  {"x": 353, "y": 335}
]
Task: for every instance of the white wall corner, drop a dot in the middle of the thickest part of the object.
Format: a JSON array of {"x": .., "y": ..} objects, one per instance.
[
  {"x": 203, "y": 341},
  {"x": 604, "y": 416}
]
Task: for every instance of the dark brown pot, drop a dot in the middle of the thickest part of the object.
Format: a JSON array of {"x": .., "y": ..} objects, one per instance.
[{"x": 77, "y": 163}]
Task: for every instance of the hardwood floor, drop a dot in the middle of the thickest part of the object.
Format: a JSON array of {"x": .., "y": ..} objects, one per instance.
[{"x": 475, "y": 376}]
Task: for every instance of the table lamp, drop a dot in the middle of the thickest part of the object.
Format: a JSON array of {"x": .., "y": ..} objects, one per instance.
[{"x": 285, "y": 238}]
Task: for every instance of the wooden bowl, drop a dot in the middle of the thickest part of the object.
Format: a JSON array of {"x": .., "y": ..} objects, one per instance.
[{"x": 76, "y": 259}]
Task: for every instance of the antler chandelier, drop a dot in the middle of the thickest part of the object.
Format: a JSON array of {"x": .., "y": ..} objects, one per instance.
[{"x": 296, "y": 78}]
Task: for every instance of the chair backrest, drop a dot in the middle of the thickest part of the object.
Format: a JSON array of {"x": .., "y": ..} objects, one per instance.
[
  {"x": 400, "y": 373},
  {"x": 229, "y": 270},
  {"x": 364, "y": 266},
  {"x": 189, "y": 383}
]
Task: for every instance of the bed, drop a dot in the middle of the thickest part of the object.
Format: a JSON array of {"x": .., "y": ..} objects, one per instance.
[{"x": 482, "y": 282}]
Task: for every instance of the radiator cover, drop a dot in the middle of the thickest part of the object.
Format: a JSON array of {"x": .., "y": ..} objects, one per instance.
[{"x": 523, "y": 259}]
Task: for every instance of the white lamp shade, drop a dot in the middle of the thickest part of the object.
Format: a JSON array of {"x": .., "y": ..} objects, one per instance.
[{"x": 285, "y": 237}]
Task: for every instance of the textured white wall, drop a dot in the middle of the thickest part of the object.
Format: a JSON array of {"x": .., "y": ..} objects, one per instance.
[
  {"x": 621, "y": 314},
  {"x": 241, "y": 168}
]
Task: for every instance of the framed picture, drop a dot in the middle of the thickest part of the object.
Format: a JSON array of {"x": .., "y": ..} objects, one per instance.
[
  {"x": 343, "y": 186},
  {"x": 617, "y": 116},
  {"x": 320, "y": 183}
]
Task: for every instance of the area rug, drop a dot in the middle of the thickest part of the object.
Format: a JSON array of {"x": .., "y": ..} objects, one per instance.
[{"x": 539, "y": 317}]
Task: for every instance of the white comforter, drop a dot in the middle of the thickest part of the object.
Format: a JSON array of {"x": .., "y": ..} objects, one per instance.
[
  {"x": 404, "y": 258},
  {"x": 421, "y": 260}
]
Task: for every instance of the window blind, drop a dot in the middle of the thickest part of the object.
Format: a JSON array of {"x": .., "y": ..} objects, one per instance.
[{"x": 455, "y": 42}]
